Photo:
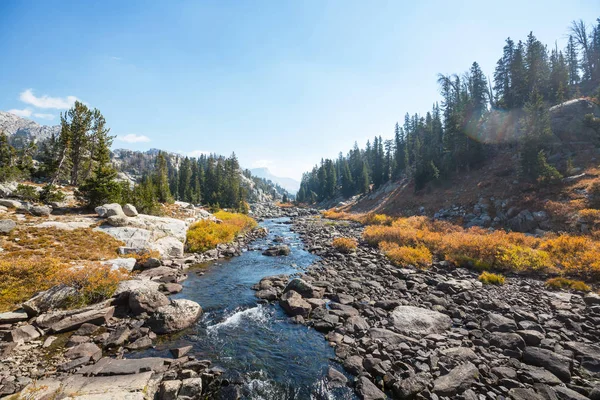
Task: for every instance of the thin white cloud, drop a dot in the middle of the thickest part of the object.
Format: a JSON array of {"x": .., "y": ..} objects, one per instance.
[
  {"x": 133, "y": 138},
  {"x": 262, "y": 163},
  {"x": 43, "y": 116},
  {"x": 46, "y": 101},
  {"x": 197, "y": 153},
  {"x": 21, "y": 113},
  {"x": 115, "y": 58}
]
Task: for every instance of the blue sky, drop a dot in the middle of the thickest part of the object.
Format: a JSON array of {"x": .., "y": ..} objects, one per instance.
[{"x": 281, "y": 83}]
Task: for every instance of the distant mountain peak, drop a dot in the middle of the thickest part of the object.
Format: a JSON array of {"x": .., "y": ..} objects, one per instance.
[
  {"x": 17, "y": 128},
  {"x": 289, "y": 184}
]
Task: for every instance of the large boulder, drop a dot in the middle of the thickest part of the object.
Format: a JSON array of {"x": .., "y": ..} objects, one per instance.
[
  {"x": 54, "y": 298},
  {"x": 130, "y": 210},
  {"x": 7, "y": 225},
  {"x": 457, "y": 380},
  {"x": 556, "y": 363},
  {"x": 419, "y": 321},
  {"x": 523, "y": 222},
  {"x": 173, "y": 317},
  {"x": 293, "y": 304},
  {"x": 118, "y": 263},
  {"x": 281, "y": 250},
  {"x": 10, "y": 203},
  {"x": 169, "y": 247},
  {"x": 40, "y": 211},
  {"x": 146, "y": 300},
  {"x": 568, "y": 121},
  {"x": 108, "y": 210},
  {"x": 304, "y": 288},
  {"x": 24, "y": 334}
]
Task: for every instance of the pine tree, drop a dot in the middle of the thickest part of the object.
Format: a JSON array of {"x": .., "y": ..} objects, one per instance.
[
  {"x": 161, "y": 179},
  {"x": 572, "y": 62},
  {"x": 101, "y": 187},
  {"x": 536, "y": 130}
]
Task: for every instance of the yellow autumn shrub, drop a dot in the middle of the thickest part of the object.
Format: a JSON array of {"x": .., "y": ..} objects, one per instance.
[
  {"x": 487, "y": 278},
  {"x": 418, "y": 256},
  {"x": 344, "y": 244},
  {"x": 564, "y": 283},
  {"x": 206, "y": 235}
]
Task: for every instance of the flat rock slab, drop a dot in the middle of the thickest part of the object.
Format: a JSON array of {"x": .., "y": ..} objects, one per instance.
[
  {"x": 419, "y": 321},
  {"x": 13, "y": 316},
  {"x": 90, "y": 388},
  {"x": 111, "y": 366},
  {"x": 73, "y": 322}
]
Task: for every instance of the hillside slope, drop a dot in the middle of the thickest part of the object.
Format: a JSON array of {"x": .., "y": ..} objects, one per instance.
[{"x": 493, "y": 195}]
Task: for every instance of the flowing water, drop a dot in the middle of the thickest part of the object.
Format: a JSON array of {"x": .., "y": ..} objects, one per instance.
[{"x": 275, "y": 359}]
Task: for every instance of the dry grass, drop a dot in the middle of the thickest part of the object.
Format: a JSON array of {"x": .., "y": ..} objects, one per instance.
[
  {"x": 488, "y": 278},
  {"x": 365, "y": 219},
  {"x": 206, "y": 235},
  {"x": 564, "y": 283},
  {"x": 35, "y": 259},
  {"x": 344, "y": 244},
  {"x": 285, "y": 205}
]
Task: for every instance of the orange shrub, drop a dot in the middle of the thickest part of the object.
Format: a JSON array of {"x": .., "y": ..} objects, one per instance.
[
  {"x": 93, "y": 282},
  {"x": 483, "y": 249},
  {"x": 344, "y": 244},
  {"x": 404, "y": 255}
]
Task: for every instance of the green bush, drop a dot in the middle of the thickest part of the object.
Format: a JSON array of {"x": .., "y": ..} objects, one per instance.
[
  {"x": 27, "y": 193},
  {"x": 51, "y": 194}
]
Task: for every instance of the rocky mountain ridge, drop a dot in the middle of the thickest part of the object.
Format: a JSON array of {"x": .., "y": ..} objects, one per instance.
[{"x": 22, "y": 129}]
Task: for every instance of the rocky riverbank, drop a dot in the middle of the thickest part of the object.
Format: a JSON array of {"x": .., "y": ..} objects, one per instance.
[
  {"x": 48, "y": 353},
  {"x": 439, "y": 333}
]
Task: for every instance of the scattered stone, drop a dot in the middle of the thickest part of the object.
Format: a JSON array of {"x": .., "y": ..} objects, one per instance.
[
  {"x": 419, "y": 321},
  {"x": 7, "y": 225},
  {"x": 180, "y": 351},
  {"x": 130, "y": 210},
  {"x": 457, "y": 380}
]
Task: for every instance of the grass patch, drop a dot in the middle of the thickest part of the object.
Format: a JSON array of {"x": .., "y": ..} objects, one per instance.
[
  {"x": 487, "y": 278},
  {"x": 35, "y": 259},
  {"x": 564, "y": 283},
  {"x": 344, "y": 244},
  {"x": 206, "y": 235}
]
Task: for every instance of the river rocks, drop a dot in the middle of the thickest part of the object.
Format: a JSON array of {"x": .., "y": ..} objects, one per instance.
[
  {"x": 146, "y": 300},
  {"x": 558, "y": 364},
  {"x": 89, "y": 350},
  {"x": 293, "y": 304},
  {"x": 54, "y": 298},
  {"x": 305, "y": 289},
  {"x": 169, "y": 390},
  {"x": 368, "y": 391},
  {"x": 7, "y": 225},
  {"x": 419, "y": 321},
  {"x": 74, "y": 321},
  {"x": 456, "y": 381},
  {"x": 498, "y": 323},
  {"x": 24, "y": 334},
  {"x": 173, "y": 317},
  {"x": 511, "y": 341},
  {"x": 281, "y": 250},
  {"x": 191, "y": 389}
]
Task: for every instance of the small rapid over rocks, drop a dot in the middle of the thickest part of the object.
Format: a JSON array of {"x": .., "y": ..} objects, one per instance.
[{"x": 263, "y": 354}]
